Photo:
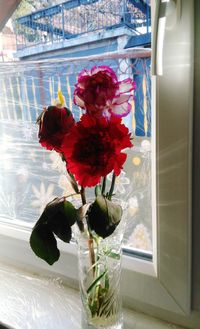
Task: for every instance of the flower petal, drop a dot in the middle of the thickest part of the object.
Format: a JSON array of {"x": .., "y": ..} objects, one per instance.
[
  {"x": 104, "y": 68},
  {"x": 78, "y": 101},
  {"x": 121, "y": 110},
  {"x": 93, "y": 148},
  {"x": 83, "y": 73},
  {"x": 126, "y": 85},
  {"x": 118, "y": 165},
  {"x": 122, "y": 99}
]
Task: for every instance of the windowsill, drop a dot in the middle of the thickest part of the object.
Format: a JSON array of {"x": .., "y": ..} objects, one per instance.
[{"x": 32, "y": 301}]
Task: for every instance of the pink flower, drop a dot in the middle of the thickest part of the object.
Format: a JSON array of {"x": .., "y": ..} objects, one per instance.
[{"x": 99, "y": 92}]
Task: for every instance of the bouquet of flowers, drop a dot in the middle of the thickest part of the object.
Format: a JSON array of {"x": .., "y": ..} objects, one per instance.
[{"x": 92, "y": 148}]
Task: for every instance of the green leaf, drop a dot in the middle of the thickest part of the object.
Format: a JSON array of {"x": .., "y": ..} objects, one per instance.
[
  {"x": 60, "y": 215},
  {"x": 104, "y": 216},
  {"x": 94, "y": 265},
  {"x": 70, "y": 212},
  {"x": 61, "y": 227},
  {"x": 97, "y": 190},
  {"x": 107, "y": 284},
  {"x": 53, "y": 207},
  {"x": 95, "y": 282},
  {"x": 57, "y": 218},
  {"x": 82, "y": 211},
  {"x": 64, "y": 216},
  {"x": 43, "y": 243},
  {"x": 113, "y": 255}
]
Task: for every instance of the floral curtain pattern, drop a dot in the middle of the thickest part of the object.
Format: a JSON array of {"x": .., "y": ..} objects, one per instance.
[{"x": 30, "y": 176}]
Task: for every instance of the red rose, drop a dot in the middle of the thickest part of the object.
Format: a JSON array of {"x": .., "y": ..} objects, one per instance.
[
  {"x": 54, "y": 125},
  {"x": 93, "y": 148}
]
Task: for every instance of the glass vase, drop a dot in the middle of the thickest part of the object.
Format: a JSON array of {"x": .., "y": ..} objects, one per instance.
[{"x": 99, "y": 262}]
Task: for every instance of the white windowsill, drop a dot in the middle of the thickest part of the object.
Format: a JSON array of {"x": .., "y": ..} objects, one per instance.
[{"x": 32, "y": 301}]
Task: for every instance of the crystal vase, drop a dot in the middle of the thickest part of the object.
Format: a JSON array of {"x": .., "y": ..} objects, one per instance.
[{"x": 99, "y": 262}]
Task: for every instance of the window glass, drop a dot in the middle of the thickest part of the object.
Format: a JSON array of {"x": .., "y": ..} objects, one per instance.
[{"x": 30, "y": 176}]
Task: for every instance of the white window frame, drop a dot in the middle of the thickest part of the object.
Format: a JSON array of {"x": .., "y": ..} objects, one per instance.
[{"x": 161, "y": 288}]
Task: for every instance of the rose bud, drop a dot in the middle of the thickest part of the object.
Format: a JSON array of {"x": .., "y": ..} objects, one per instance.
[{"x": 54, "y": 124}]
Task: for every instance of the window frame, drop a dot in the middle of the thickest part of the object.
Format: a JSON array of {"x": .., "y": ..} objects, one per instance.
[{"x": 161, "y": 288}]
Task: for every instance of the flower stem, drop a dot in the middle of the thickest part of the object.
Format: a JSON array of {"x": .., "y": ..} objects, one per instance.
[
  {"x": 90, "y": 240},
  {"x": 103, "y": 185},
  {"x": 112, "y": 186},
  {"x": 83, "y": 198},
  {"x": 91, "y": 251},
  {"x": 67, "y": 196}
]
